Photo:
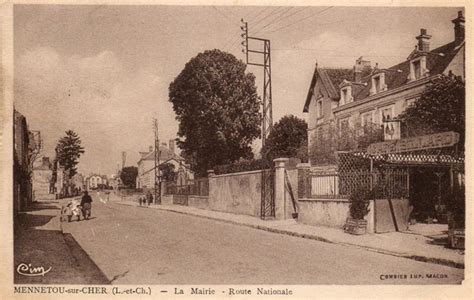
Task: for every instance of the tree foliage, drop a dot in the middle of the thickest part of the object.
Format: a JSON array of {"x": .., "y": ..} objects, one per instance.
[
  {"x": 217, "y": 107},
  {"x": 68, "y": 152},
  {"x": 167, "y": 172},
  {"x": 328, "y": 140},
  {"x": 128, "y": 175},
  {"x": 288, "y": 138},
  {"x": 441, "y": 107}
]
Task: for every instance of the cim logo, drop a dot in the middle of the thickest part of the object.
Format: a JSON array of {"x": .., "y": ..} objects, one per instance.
[{"x": 28, "y": 270}]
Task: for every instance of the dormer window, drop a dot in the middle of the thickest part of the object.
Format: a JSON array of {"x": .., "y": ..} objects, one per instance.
[
  {"x": 418, "y": 68},
  {"x": 346, "y": 92},
  {"x": 378, "y": 83}
]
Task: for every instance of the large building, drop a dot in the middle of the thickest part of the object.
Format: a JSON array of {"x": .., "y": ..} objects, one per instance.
[
  {"x": 146, "y": 165},
  {"x": 365, "y": 94},
  {"x": 42, "y": 179},
  {"x": 23, "y": 145}
]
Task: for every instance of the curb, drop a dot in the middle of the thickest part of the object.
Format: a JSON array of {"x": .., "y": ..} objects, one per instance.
[{"x": 433, "y": 260}]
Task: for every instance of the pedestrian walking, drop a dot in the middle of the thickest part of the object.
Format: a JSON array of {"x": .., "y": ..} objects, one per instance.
[
  {"x": 86, "y": 203},
  {"x": 140, "y": 200},
  {"x": 149, "y": 198}
]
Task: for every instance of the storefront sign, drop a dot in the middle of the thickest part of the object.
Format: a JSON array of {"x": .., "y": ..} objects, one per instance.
[{"x": 437, "y": 140}]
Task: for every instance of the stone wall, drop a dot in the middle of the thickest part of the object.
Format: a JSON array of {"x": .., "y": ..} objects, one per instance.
[
  {"x": 323, "y": 212},
  {"x": 237, "y": 193}
]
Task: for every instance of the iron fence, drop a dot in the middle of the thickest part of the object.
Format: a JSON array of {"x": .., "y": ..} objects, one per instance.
[
  {"x": 389, "y": 183},
  {"x": 197, "y": 187}
]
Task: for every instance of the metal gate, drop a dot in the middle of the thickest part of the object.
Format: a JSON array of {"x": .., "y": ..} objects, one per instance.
[
  {"x": 180, "y": 197},
  {"x": 267, "y": 208}
]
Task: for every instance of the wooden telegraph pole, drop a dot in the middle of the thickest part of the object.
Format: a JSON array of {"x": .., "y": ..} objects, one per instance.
[{"x": 157, "y": 163}]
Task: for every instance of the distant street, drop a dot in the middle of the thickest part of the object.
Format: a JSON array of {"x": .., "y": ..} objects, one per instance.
[{"x": 133, "y": 245}]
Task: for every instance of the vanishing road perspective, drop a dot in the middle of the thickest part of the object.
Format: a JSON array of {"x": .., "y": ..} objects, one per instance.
[
  {"x": 282, "y": 145},
  {"x": 129, "y": 244}
]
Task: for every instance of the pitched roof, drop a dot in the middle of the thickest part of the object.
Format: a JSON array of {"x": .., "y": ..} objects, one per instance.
[
  {"x": 165, "y": 154},
  {"x": 331, "y": 78}
]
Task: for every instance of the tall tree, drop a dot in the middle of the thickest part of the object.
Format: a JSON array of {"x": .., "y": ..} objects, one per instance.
[
  {"x": 129, "y": 176},
  {"x": 68, "y": 152},
  {"x": 218, "y": 110},
  {"x": 441, "y": 107},
  {"x": 288, "y": 138}
]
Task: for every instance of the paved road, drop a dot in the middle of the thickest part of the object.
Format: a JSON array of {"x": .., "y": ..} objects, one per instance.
[{"x": 133, "y": 245}]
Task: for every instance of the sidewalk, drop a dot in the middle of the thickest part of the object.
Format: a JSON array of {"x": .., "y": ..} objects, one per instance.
[
  {"x": 39, "y": 241},
  {"x": 413, "y": 246}
]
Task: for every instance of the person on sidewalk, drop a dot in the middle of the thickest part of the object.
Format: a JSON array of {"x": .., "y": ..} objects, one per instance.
[
  {"x": 140, "y": 200},
  {"x": 86, "y": 204},
  {"x": 149, "y": 198}
]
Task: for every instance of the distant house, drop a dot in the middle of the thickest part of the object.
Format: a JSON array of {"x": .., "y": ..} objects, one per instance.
[
  {"x": 42, "y": 176},
  {"x": 146, "y": 165},
  {"x": 95, "y": 181},
  {"x": 363, "y": 95}
]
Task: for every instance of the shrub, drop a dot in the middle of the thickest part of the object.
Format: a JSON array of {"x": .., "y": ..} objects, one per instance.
[
  {"x": 243, "y": 166},
  {"x": 358, "y": 202}
]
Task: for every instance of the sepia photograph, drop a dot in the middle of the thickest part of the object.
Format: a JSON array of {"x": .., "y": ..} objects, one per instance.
[{"x": 236, "y": 150}]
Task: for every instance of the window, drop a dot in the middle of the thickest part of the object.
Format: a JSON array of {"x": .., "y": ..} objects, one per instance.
[
  {"x": 319, "y": 108},
  {"x": 346, "y": 95},
  {"x": 367, "y": 118},
  {"x": 378, "y": 83},
  {"x": 344, "y": 125},
  {"x": 417, "y": 69},
  {"x": 386, "y": 113}
]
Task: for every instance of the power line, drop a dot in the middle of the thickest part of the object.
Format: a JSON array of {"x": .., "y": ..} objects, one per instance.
[
  {"x": 301, "y": 20},
  {"x": 272, "y": 21},
  {"x": 289, "y": 15},
  {"x": 268, "y": 15},
  {"x": 258, "y": 14}
]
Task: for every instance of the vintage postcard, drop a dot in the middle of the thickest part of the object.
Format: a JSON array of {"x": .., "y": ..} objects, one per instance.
[{"x": 277, "y": 149}]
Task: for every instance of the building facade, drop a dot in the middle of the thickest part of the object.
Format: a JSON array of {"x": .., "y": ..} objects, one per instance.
[
  {"x": 95, "y": 181},
  {"x": 42, "y": 179},
  {"x": 347, "y": 98},
  {"x": 22, "y": 147},
  {"x": 146, "y": 165}
]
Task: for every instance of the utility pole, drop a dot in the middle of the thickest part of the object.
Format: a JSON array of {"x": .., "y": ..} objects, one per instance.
[
  {"x": 267, "y": 121},
  {"x": 157, "y": 163},
  {"x": 267, "y": 207}
]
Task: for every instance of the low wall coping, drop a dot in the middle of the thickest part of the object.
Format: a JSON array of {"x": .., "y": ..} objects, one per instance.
[
  {"x": 303, "y": 166},
  {"x": 237, "y": 174},
  {"x": 199, "y": 197},
  {"x": 322, "y": 200}
]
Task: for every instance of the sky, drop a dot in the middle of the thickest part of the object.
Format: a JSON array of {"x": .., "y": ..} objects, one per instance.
[{"x": 104, "y": 71}]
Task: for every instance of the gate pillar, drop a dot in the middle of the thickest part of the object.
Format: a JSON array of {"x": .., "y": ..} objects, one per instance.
[{"x": 280, "y": 201}]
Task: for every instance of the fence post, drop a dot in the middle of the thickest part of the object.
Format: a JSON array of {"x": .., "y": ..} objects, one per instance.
[
  {"x": 280, "y": 165},
  {"x": 303, "y": 180}
]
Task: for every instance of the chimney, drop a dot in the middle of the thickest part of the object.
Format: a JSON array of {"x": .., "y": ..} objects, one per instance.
[
  {"x": 423, "y": 41},
  {"x": 359, "y": 67},
  {"x": 459, "y": 28},
  {"x": 357, "y": 72},
  {"x": 150, "y": 149},
  {"x": 171, "y": 145}
]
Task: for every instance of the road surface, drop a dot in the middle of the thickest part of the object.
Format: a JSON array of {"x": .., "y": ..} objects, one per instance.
[{"x": 135, "y": 245}]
